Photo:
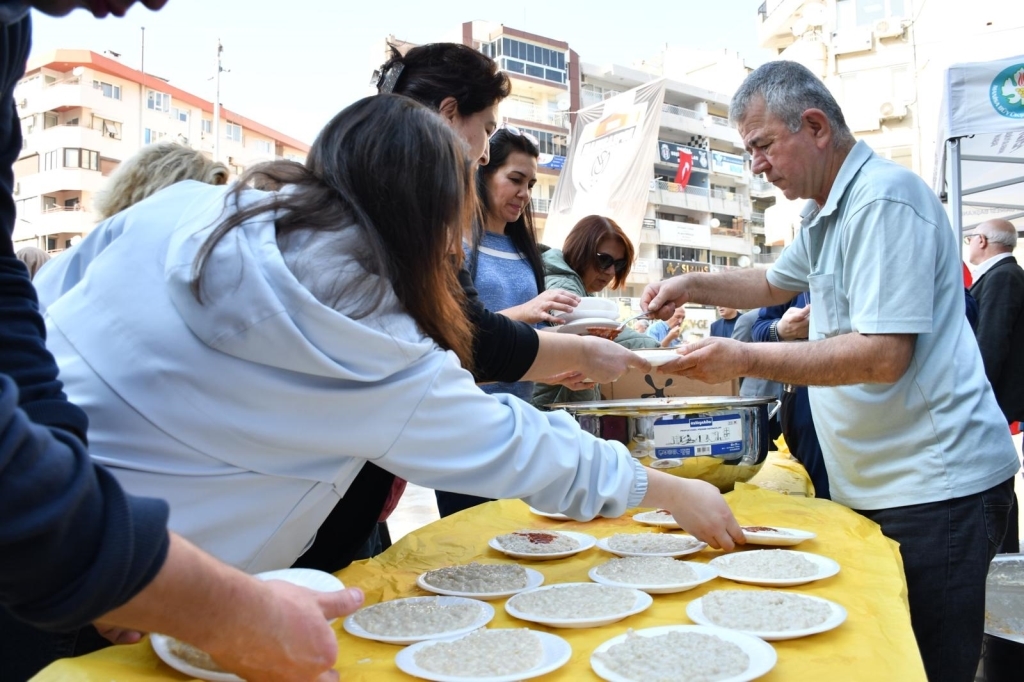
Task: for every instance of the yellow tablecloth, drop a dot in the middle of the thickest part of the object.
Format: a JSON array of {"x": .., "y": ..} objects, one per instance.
[{"x": 875, "y": 643}]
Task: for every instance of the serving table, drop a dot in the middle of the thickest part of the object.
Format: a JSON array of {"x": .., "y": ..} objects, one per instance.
[{"x": 875, "y": 643}]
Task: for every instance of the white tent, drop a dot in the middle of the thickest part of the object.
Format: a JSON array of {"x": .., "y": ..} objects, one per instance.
[{"x": 980, "y": 147}]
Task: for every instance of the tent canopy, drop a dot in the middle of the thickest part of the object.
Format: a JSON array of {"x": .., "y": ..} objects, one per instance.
[{"x": 980, "y": 151}]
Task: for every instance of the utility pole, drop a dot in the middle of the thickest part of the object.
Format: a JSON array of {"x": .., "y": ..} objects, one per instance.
[
  {"x": 216, "y": 105},
  {"x": 142, "y": 88}
]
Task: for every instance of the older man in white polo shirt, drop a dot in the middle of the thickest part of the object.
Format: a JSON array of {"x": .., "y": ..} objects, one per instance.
[{"x": 909, "y": 426}]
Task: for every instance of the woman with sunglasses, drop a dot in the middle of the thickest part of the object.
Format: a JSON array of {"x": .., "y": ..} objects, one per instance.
[{"x": 596, "y": 254}]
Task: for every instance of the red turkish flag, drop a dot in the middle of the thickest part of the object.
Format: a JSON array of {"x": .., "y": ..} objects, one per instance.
[
  {"x": 685, "y": 166},
  {"x": 967, "y": 276}
]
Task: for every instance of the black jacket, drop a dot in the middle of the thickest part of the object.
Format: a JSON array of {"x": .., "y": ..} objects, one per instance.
[{"x": 1000, "y": 295}]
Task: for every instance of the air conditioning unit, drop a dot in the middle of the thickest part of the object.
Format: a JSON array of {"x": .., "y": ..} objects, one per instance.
[
  {"x": 890, "y": 110},
  {"x": 22, "y": 103},
  {"x": 888, "y": 28}
]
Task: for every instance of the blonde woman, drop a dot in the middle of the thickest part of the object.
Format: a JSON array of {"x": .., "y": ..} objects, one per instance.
[{"x": 154, "y": 167}]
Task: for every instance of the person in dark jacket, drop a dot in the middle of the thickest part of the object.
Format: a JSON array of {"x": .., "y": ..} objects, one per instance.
[
  {"x": 74, "y": 548},
  {"x": 725, "y": 323}
]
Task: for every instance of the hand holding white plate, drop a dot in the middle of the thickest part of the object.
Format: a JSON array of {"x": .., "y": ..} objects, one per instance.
[
  {"x": 661, "y": 518},
  {"x": 168, "y": 648},
  {"x": 657, "y": 356}
]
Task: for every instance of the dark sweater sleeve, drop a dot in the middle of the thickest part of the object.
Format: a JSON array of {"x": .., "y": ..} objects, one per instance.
[
  {"x": 73, "y": 545},
  {"x": 23, "y": 354},
  {"x": 503, "y": 349}
]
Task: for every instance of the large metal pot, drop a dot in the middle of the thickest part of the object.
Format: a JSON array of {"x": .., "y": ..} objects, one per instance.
[{"x": 721, "y": 440}]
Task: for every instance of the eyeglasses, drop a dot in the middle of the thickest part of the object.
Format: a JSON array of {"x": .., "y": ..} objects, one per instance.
[
  {"x": 604, "y": 261},
  {"x": 968, "y": 237},
  {"x": 517, "y": 132}
]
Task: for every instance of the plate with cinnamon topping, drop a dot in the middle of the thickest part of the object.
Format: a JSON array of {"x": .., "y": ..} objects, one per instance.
[
  {"x": 776, "y": 536},
  {"x": 542, "y": 544}
]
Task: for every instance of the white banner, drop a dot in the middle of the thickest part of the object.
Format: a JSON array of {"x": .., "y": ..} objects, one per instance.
[
  {"x": 610, "y": 164},
  {"x": 684, "y": 234}
]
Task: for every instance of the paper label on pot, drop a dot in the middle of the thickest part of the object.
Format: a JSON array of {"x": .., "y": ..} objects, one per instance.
[{"x": 720, "y": 435}]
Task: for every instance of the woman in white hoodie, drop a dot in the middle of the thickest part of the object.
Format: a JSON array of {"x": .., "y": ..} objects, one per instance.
[{"x": 242, "y": 354}]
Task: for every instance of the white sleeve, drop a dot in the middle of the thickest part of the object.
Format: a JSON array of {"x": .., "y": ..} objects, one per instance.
[{"x": 461, "y": 439}]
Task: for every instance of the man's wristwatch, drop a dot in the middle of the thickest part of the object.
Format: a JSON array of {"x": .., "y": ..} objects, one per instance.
[{"x": 773, "y": 331}]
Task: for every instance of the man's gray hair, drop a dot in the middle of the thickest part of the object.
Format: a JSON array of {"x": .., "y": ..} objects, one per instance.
[
  {"x": 1001, "y": 232},
  {"x": 788, "y": 89}
]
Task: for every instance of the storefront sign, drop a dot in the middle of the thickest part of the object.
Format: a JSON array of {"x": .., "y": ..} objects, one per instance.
[
  {"x": 671, "y": 268},
  {"x": 727, "y": 164},
  {"x": 668, "y": 153}
]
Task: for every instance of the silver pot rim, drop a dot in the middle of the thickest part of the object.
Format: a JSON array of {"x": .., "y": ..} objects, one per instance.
[{"x": 647, "y": 406}]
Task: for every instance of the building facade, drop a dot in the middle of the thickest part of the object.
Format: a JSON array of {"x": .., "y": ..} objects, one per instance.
[
  {"x": 82, "y": 113},
  {"x": 884, "y": 62},
  {"x": 717, "y": 219}
]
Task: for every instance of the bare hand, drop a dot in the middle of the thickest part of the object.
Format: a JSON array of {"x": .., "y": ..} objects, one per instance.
[
  {"x": 293, "y": 641},
  {"x": 711, "y": 360},
  {"x": 703, "y": 513},
  {"x": 539, "y": 308},
  {"x": 574, "y": 381},
  {"x": 672, "y": 335},
  {"x": 604, "y": 361},
  {"x": 794, "y": 324},
  {"x": 662, "y": 298},
  {"x": 117, "y": 635}
]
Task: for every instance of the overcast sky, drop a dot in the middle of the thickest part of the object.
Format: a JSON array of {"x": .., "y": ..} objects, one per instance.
[{"x": 293, "y": 65}]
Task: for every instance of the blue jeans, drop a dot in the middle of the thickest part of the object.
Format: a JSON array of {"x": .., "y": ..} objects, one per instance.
[{"x": 946, "y": 548}]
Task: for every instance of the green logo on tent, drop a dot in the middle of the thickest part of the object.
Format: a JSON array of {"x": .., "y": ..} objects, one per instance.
[{"x": 1007, "y": 92}]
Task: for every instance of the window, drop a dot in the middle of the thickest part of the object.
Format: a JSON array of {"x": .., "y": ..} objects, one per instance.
[
  {"x": 528, "y": 59},
  {"x": 107, "y": 89},
  {"x": 49, "y": 204},
  {"x": 150, "y": 136},
  {"x": 158, "y": 101},
  {"x": 81, "y": 158},
  {"x": 297, "y": 158},
  {"x": 667, "y": 252},
  {"x": 233, "y": 131},
  {"x": 107, "y": 128},
  {"x": 28, "y": 124},
  {"x": 50, "y": 120},
  {"x": 547, "y": 142},
  {"x": 592, "y": 94},
  {"x": 263, "y": 146},
  {"x": 864, "y": 13},
  {"x": 179, "y": 114},
  {"x": 50, "y": 160},
  {"x": 207, "y": 126}
]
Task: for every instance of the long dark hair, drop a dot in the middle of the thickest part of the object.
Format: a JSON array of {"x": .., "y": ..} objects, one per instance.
[
  {"x": 431, "y": 73},
  {"x": 393, "y": 168},
  {"x": 522, "y": 233},
  {"x": 580, "y": 247}
]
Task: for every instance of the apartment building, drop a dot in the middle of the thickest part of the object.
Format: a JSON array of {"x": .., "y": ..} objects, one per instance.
[
  {"x": 545, "y": 89},
  {"x": 715, "y": 220},
  {"x": 884, "y": 60},
  {"x": 82, "y": 113}
]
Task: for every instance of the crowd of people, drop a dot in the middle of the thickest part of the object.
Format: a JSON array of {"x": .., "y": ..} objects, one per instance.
[{"x": 250, "y": 372}]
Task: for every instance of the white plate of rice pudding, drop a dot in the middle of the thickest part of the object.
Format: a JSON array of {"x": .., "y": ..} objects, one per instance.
[
  {"x": 195, "y": 662},
  {"x": 498, "y": 655},
  {"x": 662, "y": 518},
  {"x": 577, "y": 605},
  {"x": 768, "y": 614},
  {"x": 554, "y": 516},
  {"x": 776, "y": 536},
  {"x": 774, "y": 567},
  {"x": 480, "y": 581},
  {"x": 683, "y": 652},
  {"x": 407, "y": 621},
  {"x": 542, "y": 544},
  {"x": 651, "y": 544},
  {"x": 652, "y": 574}
]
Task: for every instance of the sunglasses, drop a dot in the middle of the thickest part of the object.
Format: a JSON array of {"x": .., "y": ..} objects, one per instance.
[
  {"x": 512, "y": 130},
  {"x": 604, "y": 261}
]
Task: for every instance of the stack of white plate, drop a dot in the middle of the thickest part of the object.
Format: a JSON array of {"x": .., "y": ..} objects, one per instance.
[{"x": 592, "y": 308}]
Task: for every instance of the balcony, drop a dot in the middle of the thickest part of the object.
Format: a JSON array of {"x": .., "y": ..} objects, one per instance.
[
  {"x": 671, "y": 194},
  {"x": 729, "y": 203},
  {"x": 731, "y": 241},
  {"x": 535, "y": 114},
  {"x": 765, "y": 258},
  {"x": 540, "y": 205},
  {"x": 60, "y": 180},
  {"x": 775, "y": 29},
  {"x": 56, "y": 221},
  {"x": 68, "y": 94},
  {"x": 40, "y": 141},
  {"x": 689, "y": 121},
  {"x": 761, "y": 187}
]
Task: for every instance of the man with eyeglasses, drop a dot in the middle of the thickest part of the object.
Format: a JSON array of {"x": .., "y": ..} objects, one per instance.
[
  {"x": 908, "y": 424},
  {"x": 999, "y": 289}
]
